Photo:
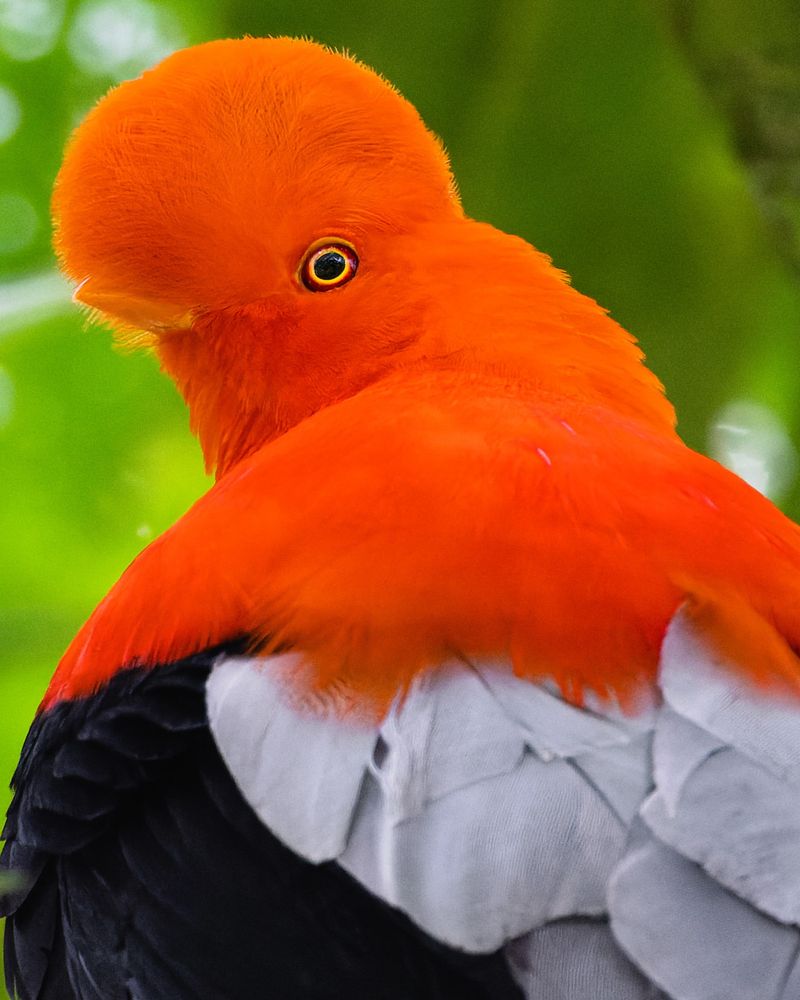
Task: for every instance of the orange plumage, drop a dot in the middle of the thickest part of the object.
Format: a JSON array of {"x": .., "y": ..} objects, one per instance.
[{"x": 453, "y": 453}]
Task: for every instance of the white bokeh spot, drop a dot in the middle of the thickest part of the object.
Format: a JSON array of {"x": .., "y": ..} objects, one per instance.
[
  {"x": 10, "y": 113},
  {"x": 29, "y": 29},
  {"x": 752, "y": 441},
  {"x": 120, "y": 38}
]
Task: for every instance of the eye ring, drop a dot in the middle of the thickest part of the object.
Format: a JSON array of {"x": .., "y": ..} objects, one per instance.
[{"x": 327, "y": 264}]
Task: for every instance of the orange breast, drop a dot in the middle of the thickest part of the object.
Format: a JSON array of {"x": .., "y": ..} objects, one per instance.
[{"x": 443, "y": 514}]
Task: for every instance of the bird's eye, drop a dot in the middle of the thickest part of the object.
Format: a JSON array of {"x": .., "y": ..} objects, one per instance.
[{"x": 328, "y": 265}]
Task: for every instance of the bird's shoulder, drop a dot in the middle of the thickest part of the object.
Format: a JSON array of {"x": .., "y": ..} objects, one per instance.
[
  {"x": 381, "y": 505},
  {"x": 443, "y": 510}
]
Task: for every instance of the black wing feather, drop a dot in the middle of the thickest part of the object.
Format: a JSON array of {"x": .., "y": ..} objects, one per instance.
[{"x": 150, "y": 878}]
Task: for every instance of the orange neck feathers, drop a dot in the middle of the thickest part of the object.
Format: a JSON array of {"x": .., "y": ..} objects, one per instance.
[{"x": 461, "y": 297}]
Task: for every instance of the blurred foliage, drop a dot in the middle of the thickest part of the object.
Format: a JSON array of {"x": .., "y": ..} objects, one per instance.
[{"x": 651, "y": 146}]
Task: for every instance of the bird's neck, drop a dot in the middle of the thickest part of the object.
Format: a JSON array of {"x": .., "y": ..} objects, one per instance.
[
  {"x": 516, "y": 315},
  {"x": 493, "y": 307}
]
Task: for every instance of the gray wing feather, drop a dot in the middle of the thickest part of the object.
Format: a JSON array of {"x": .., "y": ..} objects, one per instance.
[
  {"x": 490, "y": 860},
  {"x": 300, "y": 772},
  {"x": 692, "y": 936},
  {"x": 707, "y": 898},
  {"x": 697, "y": 685},
  {"x": 741, "y": 824},
  {"x": 494, "y": 813},
  {"x": 576, "y": 959}
]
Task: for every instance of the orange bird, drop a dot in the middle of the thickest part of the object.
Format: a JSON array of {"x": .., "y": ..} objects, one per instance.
[{"x": 467, "y": 678}]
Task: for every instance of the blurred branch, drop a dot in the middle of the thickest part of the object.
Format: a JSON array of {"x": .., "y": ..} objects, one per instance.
[{"x": 749, "y": 63}]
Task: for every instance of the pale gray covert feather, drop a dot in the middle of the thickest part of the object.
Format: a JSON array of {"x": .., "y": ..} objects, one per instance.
[{"x": 613, "y": 857}]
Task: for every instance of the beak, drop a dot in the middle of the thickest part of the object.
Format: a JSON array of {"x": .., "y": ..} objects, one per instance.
[{"x": 139, "y": 313}]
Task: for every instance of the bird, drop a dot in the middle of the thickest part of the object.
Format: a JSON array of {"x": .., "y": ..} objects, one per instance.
[{"x": 466, "y": 678}]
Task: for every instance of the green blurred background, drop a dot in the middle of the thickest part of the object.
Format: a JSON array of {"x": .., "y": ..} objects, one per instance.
[{"x": 652, "y": 147}]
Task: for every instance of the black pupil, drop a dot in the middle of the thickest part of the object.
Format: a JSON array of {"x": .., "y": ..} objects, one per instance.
[{"x": 329, "y": 265}]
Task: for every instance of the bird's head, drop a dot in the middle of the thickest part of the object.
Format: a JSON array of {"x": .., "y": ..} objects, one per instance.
[{"x": 277, "y": 221}]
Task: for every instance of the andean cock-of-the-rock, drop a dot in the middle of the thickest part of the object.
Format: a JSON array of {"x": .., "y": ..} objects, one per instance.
[{"x": 467, "y": 678}]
